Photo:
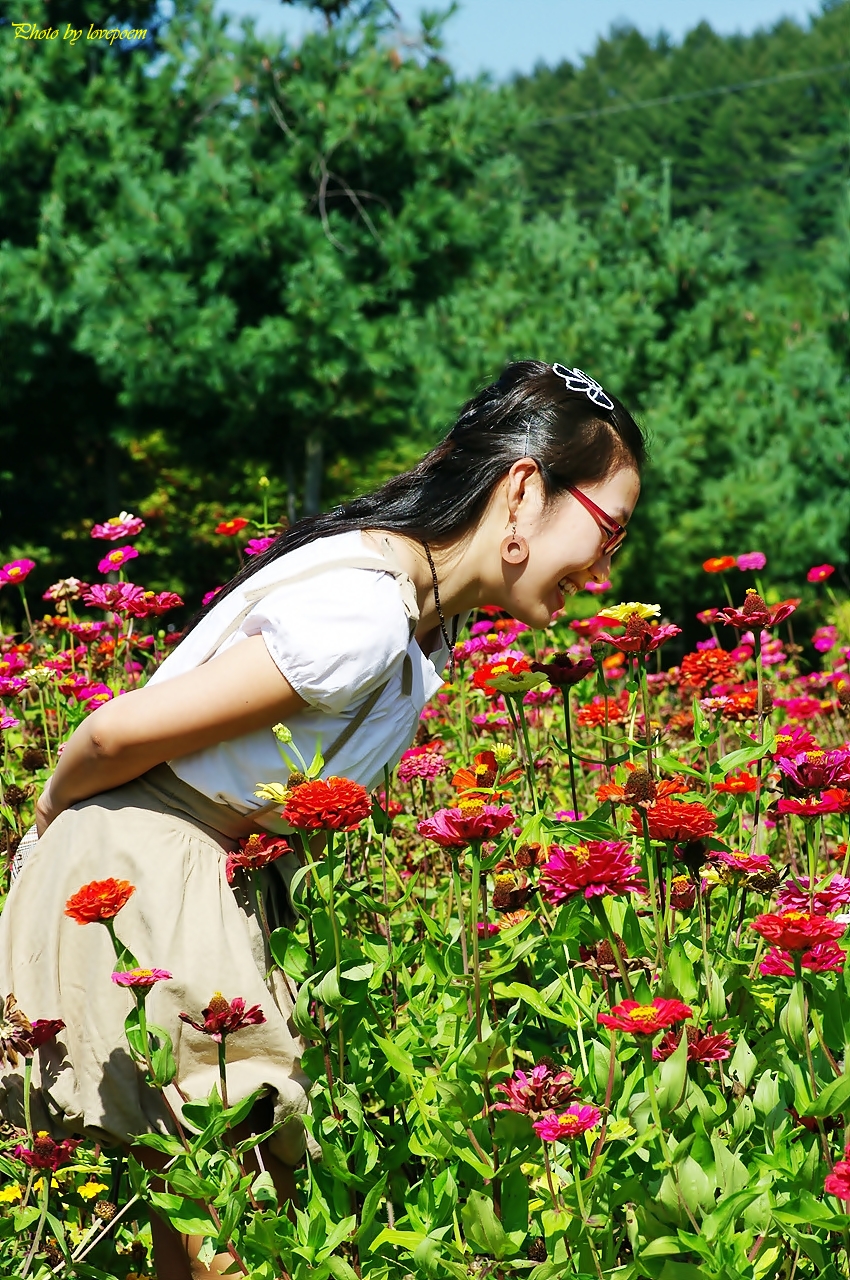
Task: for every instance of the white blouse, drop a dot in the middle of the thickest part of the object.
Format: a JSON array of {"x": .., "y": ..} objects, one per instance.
[{"x": 336, "y": 635}]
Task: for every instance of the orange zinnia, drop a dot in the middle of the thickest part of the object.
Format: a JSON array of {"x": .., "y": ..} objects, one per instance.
[
  {"x": 327, "y": 804},
  {"x": 718, "y": 564},
  {"x": 99, "y": 900}
]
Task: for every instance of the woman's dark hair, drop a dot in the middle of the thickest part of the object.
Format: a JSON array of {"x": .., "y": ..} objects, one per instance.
[{"x": 573, "y": 441}]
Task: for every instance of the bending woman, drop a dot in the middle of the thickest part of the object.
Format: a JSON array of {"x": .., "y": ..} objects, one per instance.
[{"x": 340, "y": 629}]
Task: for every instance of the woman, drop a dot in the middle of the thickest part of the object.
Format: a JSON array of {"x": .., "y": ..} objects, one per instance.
[{"x": 340, "y": 631}]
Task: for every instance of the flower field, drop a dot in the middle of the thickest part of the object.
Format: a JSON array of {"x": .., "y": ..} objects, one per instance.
[{"x": 573, "y": 982}]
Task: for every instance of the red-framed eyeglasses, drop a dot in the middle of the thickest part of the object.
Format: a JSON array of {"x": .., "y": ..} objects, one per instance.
[{"x": 616, "y": 532}]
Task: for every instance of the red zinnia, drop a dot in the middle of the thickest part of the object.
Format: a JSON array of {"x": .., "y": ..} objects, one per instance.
[
  {"x": 833, "y": 800},
  {"x": 47, "y": 1154},
  {"x": 706, "y": 667},
  {"x": 327, "y": 804},
  {"x": 755, "y": 613},
  {"x": 640, "y": 636},
  {"x": 254, "y": 852},
  {"x": 837, "y": 1183},
  {"x": 708, "y": 1046},
  {"x": 798, "y": 930},
  {"x": 99, "y": 900},
  {"x": 563, "y": 670},
  {"x": 230, "y": 527},
  {"x": 645, "y": 1019},
  {"x": 738, "y": 784},
  {"x": 44, "y": 1030},
  {"x": 595, "y": 868},
  {"x": 719, "y": 564},
  {"x": 677, "y": 821},
  {"x": 825, "y": 957},
  {"x": 537, "y": 1091},
  {"x": 222, "y": 1017}
]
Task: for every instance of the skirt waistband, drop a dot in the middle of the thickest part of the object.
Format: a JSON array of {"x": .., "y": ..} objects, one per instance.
[{"x": 179, "y": 795}]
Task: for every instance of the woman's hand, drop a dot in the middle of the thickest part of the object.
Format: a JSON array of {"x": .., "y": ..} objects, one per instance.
[{"x": 44, "y": 810}]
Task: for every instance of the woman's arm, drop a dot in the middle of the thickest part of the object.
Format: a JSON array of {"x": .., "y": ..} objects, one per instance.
[{"x": 236, "y": 693}]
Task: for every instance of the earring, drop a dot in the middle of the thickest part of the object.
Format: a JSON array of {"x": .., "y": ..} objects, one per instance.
[{"x": 515, "y": 548}]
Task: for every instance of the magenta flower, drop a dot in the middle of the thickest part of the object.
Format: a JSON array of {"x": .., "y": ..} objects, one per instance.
[
  {"x": 751, "y": 560},
  {"x": 426, "y": 761},
  {"x": 791, "y": 740},
  {"x": 222, "y": 1017},
  {"x": 597, "y": 587},
  {"x": 707, "y": 616},
  {"x": 707, "y": 1046},
  {"x": 115, "y": 559},
  {"x": 829, "y": 895},
  {"x": 531, "y": 1093},
  {"x": 640, "y": 636},
  {"x": 256, "y": 546},
  {"x": 15, "y": 571},
  {"x": 152, "y": 604},
  {"x": 824, "y": 957},
  {"x": 140, "y": 977},
  {"x": 596, "y": 868},
  {"x": 117, "y": 527},
  {"x": 117, "y": 596},
  {"x": 837, "y": 1183},
  {"x": 820, "y": 573},
  {"x": 816, "y": 770},
  {"x": 573, "y": 1122},
  {"x": 43, "y": 1031},
  {"x": 93, "y": 694},
  {"x": 47, "y": 1154},
  {"x": 457, "y": 828},
  {"x": 8, "y": 722},
  {"x": 746, "y": 863},
  {"x": 11, "y": 686},
  {"x": 825, "y": 638}
]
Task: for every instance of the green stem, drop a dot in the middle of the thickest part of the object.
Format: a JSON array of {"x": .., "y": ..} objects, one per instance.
[
  {"x": 647, "y": 724},
  {"x": 45, "y": 1196},
  {"x": 577, "y": 1184},
  {"x": 27, "y": 1090},
  {"x": 598, "y": 909},
  {"x": 569, "y": 732},
  {"x": 329, "y": 861},
  {"x": 454, "y": 854},
  {"x": 222, "y": 1071},
  {"x": 521, "y": 729},
  {"x": 648, "y": 1071},
  {"x": 475, "y": 856},
  {"x": 653, "y": 891}
]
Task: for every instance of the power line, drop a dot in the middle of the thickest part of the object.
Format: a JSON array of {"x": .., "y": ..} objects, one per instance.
[{"x": 716, "y": 91}]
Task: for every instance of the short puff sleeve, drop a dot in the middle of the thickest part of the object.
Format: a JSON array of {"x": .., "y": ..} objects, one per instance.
[{"x": 336, "y": 636}]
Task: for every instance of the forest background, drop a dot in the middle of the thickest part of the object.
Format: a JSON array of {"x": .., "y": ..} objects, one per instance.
[{"x": 223, "y": 258}]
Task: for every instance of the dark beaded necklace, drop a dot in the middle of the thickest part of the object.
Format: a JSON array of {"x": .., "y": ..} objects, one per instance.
[{"x": 450, "y": 644}]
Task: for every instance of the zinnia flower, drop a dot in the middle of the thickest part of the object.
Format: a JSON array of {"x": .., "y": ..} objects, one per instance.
[
  {"x": 115, "y": 559},
  {"x": 622, "y": 612},
  {"x": 751, "y": 560},
  {"x": 824, "y": 957},
  {"x": 645, "y": 1019},
  {"x": 798, "y": 930},
  {"x": 676, "y": 821},
  {"x": 573, "y": 1122},
  {"x": 820, "y": 573},
  {"x": 15, "y": 571},
  {"x": 140, "y": 977},
  {"x": 117, "y": 527},
  {"x": 737, "y": 784},
  {"x": 43, "y": 1031},
  {"x": 47, "y": 1154},
  {"x": 327, "y": 804},
  {"x": 817, "y": 770},
  {"x": 117, "y": 596},
  {"x": 256, "y": 546},
  {"x": 755, "y": 613},
  {"x": 231, "y": 527},
  {"x": 255, "y": 851},
  {"x": 595, "y": 868},
  {"x": 707, "y": 667},
  {"x": 562, "y": 670},
  {"x": 791, "y": 740},
  {"x": 703, "y": 1046},
  {"x": 640, "y": 636},
  {"x": 210, "y": 595},
  {"x": 152, "y": 604},
  {"x": 833, "y": 800},
  {"x": 837, "y": 1183},
  {"x": 222, "y": 1017},
  {"x": 425, "y": 761},
  {"x": 745, "y": 863},
  {"x": 683, "y": 893},
  {"x": 99, "y": 900},
  {"x": 471, "y": 820},
  {"x": 507, "y": 675},
  {"x": 719, "y": 564},
  {"x": 15, "y": 1032},
  {"x": 65, "y": 589},
  {"x": 835, "y": 893}
]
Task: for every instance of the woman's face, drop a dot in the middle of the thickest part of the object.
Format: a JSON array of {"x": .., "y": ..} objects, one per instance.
[{"x": 564, "y": 543}]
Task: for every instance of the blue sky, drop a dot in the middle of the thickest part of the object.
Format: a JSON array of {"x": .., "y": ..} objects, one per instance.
[{"x": 503, "y": 36}]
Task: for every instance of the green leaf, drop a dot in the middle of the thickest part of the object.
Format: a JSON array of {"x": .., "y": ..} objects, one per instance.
[
  {"x": 397, "y": 1057},
  {"x": 371, "y": 1205},
  {"x": 184, "y": 1215},
  {"x": 289, "y": 954},
  {"x": 743, "y": 1063},
  {"x": 831, "y": 1100},
  {"x": 482, "y": 1228},
  {"x": 673, "y": 1076}
]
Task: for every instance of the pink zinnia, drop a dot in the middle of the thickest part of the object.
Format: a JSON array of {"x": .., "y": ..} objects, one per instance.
[
  {"x": 573, "y": 1122},
  {"x": 707, "y": 1046},
  {"x": 256, "y": 546},
  {"x": 791, "y": 740},
  {"x": 210, "y": 595},
  {"x": 140, "y": 977},
  {"x": 752, "y": 560},
  {"x": 825, "y": 957},
  {"x": 254, "y": 852},
  {"x": 816, "y": 770},
  {"x": 115, "y": 559},
  {"x": 117, "y": 527},
  {"x": 595, "y": 868},
  {"x": 421, "y": 762},
  {"x": 837, "y": 1183},
  {"x": 8, "y": 722},
  {"x": 117, "y": 596},
  {"x": 835, "y": 893},
  {"x": 457, "y": 828},
  {"x": 833, "y": 800},
  {"x": 820, "y": 573},
  {"x": 746, "y": 863},
  {"x": 15, "y": 571},
  {"x": 152, "y": 604}
]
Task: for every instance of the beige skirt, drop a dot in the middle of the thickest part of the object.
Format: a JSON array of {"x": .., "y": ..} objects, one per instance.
[{"x": 171, "y": 843}]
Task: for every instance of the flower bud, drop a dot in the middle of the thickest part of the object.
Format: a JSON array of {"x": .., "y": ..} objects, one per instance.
[
  {"x": 504, "y": 752},
  {"x": 281, "y": 732},
  {"x": 105, "y": 1210}
]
